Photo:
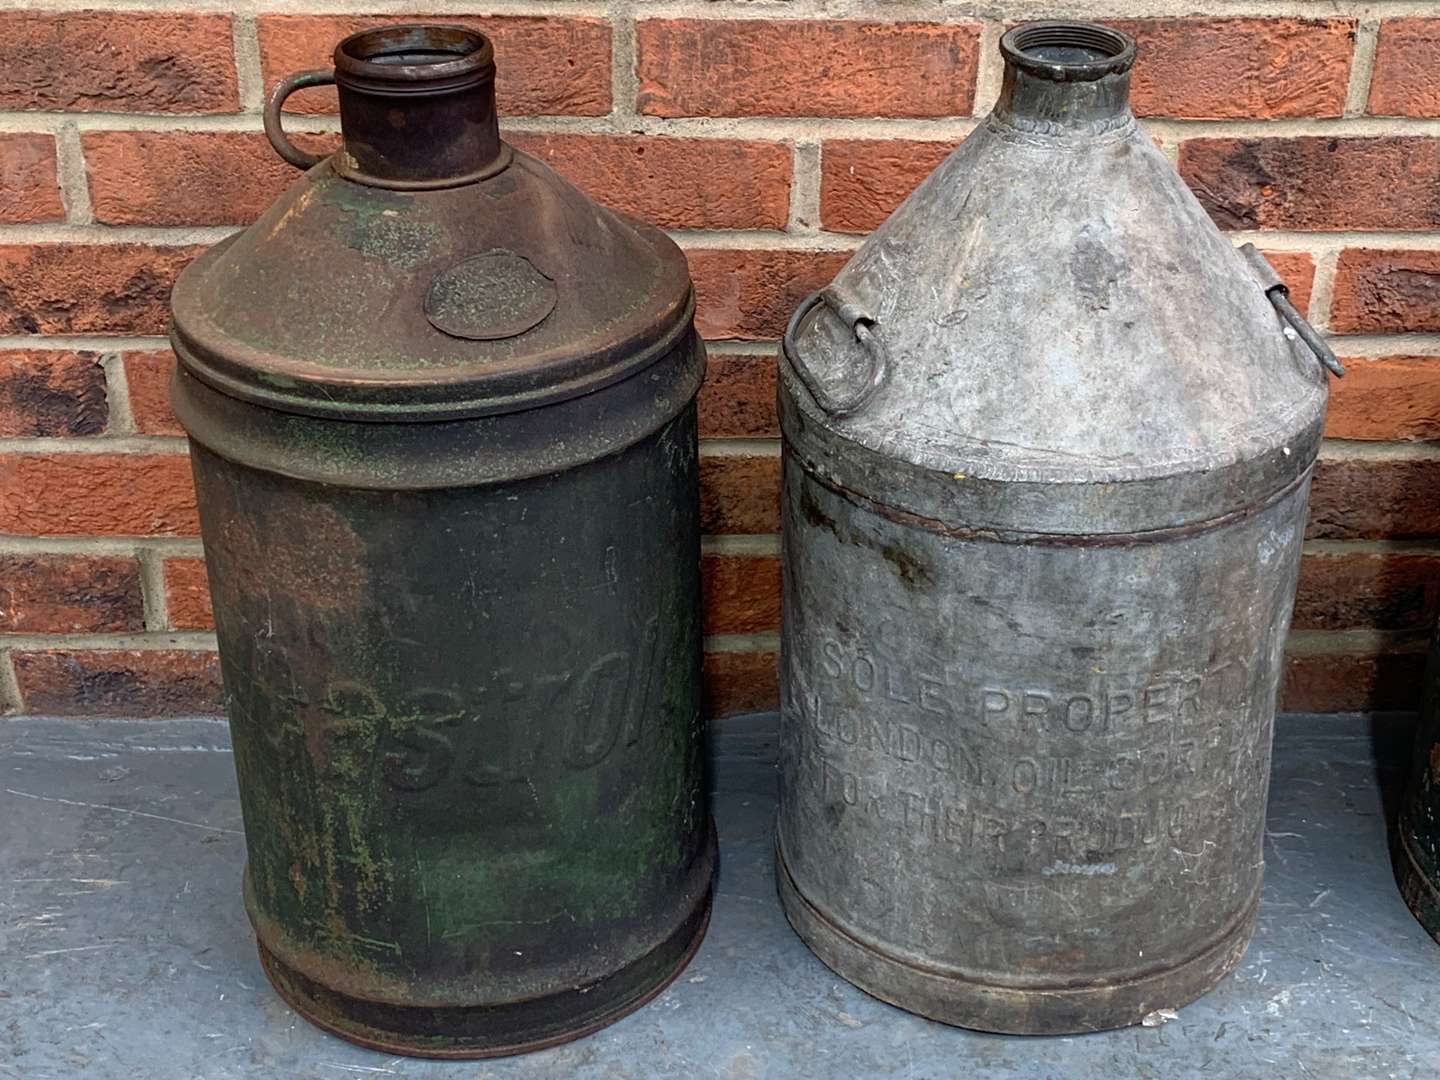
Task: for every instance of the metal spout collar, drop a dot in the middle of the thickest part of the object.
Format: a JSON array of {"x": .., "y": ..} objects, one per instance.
[
  {"x": 417, "y": 107},
  {"x": 1065, "y": 77}
]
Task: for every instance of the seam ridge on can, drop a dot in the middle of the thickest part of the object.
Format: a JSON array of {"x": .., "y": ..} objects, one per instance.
[{"x": 1230, "y": 930}]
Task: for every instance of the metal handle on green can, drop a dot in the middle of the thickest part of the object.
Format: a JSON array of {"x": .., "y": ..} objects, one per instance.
[{"x": 301, "y": 159}]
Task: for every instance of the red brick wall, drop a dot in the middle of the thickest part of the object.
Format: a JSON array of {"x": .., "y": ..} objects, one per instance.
[{"x": 768, "y": 139}]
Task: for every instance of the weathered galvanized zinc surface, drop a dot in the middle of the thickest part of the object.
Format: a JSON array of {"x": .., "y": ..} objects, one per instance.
[
  {"x": 443, "y": 428},
  {"x": 1047, "y": 452},
  {"x": 1417, "y": 837}
]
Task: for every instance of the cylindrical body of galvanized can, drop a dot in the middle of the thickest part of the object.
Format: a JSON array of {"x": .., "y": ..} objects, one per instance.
[
  {"x": 441, "y": 412},
  {"x": 1047, "y": 452},
  {"x": 1417, "y": 835}
]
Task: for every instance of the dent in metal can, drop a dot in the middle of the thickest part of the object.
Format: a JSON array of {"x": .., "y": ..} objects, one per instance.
[
  {"x": 1047, "y": 454},
  {"x": 441, "y": 409}
]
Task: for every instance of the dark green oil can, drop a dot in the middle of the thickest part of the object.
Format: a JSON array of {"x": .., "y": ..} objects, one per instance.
[{"x": 442, "y": 417}]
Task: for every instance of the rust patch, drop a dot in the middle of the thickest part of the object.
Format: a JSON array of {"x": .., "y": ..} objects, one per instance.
[
  {"x": 913, "y": 571},
  {"x": 307, "y": 545}
]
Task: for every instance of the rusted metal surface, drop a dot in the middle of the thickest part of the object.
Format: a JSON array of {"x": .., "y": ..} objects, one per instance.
[
  {"x": 1417, "y": 836},
  {"x": 443, "y": 431},
  {"x": 1037, "y": 576}
]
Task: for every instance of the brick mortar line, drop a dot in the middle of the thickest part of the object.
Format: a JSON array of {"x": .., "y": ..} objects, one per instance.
[
  {"x": 1291, "y": 127},
  {"x": 624, "y": 76},
  {"x": 165, "y": 547},
  {"x": 545, "y": 8},
  {"x": 1362, "y": 345},
  {"x": 1317, "y": 242},
  {"x": 764, "y": 642},
  {"x": 154, "y": 601},
  {"x": 1358, "y": 450},
  {"x": 954, "y": 11},
  {"x": 757, "y": 544},
  {"x": 1322, "y": 290},
  {"x": 95, "y": 444},
  {"x": 1340, "y": 548},
  {"x": 1369, "y": 642},
  {"x": 989, "y": 68},
  {"x": 156, "y": 235},
  {"x": 763, "y": 240},
  {"x": 143, "y": 640},
  {"x": 1335, "y": 240},
  {"x": 966, "y": 11},
  {"x": 120, "y": 415},
  {"x": 1362, "y": 67},
  {"x": 724, "y": 448},
  {"x": 804, "y": 219},
  {"x": 82, "y": 342},
  {"x": 732, "y": 347},
  {"x": 249, "y": 79},
  {"x": 72, "y": 175},
  {"x": 11, "y": 700},
  {"x": 758, "y": 128}
]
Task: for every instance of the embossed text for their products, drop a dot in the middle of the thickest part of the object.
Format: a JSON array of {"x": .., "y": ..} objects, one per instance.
[
  {"x": 1081, "y": 832},
  {"x": 429, "y": 735},
  {"x": 1113, "y": 703}
]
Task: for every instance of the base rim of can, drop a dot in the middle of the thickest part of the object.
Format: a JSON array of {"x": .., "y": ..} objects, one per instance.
[
  {"x": 1420, "y": 893},
  {"x": 682, "y": 943},
  {"x": 1008, "y": 1010}
]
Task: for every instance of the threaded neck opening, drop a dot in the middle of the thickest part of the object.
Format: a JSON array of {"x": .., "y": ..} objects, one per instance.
[
  {"x": 417, "y": 58},
  {"x": 1068, "y": 51},
  {"x": 417, "y": 106}
]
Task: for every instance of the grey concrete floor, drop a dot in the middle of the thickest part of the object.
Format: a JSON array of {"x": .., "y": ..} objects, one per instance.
[{"x": 124, "y": 951}]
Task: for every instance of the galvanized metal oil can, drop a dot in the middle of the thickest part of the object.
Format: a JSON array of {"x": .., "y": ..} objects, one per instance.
[
  {"x": 1417, "y": 835},
  {"x": 1047, "y": 447},
  {"x": 441, "y": 412}
]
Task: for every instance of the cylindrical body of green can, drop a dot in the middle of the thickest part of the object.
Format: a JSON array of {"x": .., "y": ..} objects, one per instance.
[{"x": 444, "y": 440}]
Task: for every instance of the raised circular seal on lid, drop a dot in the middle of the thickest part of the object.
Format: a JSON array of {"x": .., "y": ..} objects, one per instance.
[{"x": 489, "y": 297}]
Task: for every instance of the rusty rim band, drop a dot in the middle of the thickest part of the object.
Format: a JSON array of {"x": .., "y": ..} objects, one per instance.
[
  {"x": 1420, "y": 893},
  {"x": 287, "y": 982},
  {"x": 1039, "y": 539}
]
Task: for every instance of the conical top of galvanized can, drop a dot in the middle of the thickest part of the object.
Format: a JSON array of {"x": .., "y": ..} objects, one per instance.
[
  {"x": 426, "y": 270},
  {"x": 1049, "y": 334}
]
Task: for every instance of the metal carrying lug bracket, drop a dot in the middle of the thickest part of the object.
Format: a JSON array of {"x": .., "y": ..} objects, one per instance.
[
  {"x": 1279, "y": 296},
  {"x": 864, "y": 326}
]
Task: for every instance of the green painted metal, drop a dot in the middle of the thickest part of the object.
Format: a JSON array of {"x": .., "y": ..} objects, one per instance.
[{"x": 453, "y": 547}]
